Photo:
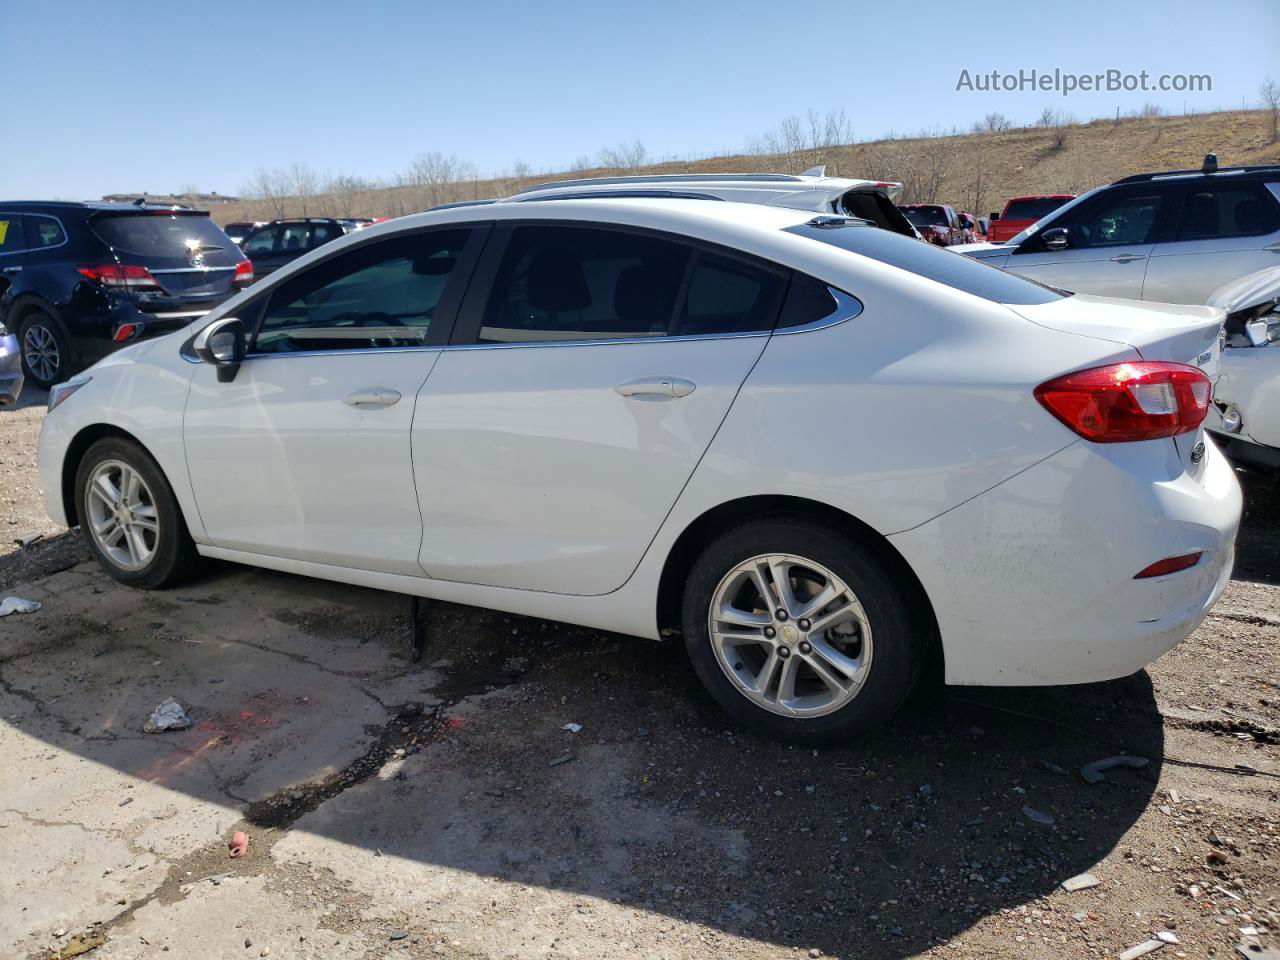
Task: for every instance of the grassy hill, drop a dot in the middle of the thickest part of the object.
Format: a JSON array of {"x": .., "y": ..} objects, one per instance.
[{"x": 975, "y": 171}]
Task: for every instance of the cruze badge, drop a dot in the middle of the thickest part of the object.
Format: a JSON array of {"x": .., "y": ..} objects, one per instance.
[
  {"x": 1203, "y": 358},
  {"x": 1197, "y": 452}
]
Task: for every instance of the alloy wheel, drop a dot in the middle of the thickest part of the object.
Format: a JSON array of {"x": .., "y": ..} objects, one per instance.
[
  {"x": 122, "y": 515},
  {"x": 40, "y": 349},
  {"x": 791, "y": 635}
]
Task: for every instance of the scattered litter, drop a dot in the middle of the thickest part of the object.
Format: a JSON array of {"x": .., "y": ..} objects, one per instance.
[
  {"x": 1092, "y": 772},
  {"x": 239, "y": 844},
  {"x": 1035, "y": 816},
  {"x": 28, "y": 539},
  {"x": 1081, "y": 881},
  {"x": 125, "y": 802},
  {"x": 1225, "y": 892},
  {"x": 1167, "y": 936},
  {"x": 1248, "y": 931},
  {"x": 79, "y": 944},
  {"x": 399, "y": 934},
  {"x": 1173, "y": 796},
  {"x": 18, "y": 605},
  {"x": 565, "y": 758},
  {"x": 1141, "y": 950},
  {"x": 168, "y": 716},
  {"x": 1053, "y": 767},
  {"x": 572, "y": 727}
]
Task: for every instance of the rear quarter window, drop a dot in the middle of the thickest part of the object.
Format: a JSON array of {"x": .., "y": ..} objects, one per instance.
[{"x": 955, "y": 270}]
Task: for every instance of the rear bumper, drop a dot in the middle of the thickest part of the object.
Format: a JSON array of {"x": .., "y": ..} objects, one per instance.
[
  {"x": 10, "y": 370},
  {"x": 1244, "y": 451},
  {"x": 1032, "y": 581}
]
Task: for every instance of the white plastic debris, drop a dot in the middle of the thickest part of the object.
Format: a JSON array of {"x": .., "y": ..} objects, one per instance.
[
  {"x": 1092, "y": 772},
  {"x": 168, "y": 716},
  {"x": 18, "y": 605},
  {"x": 572, "y": 727},
  {"x": 1036, "y": 816},
  {"x": 1081, "y": 881},
  {"x": 1141, "y": 950}
]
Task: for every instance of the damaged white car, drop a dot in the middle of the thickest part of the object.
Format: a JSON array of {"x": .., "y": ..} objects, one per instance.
[{"x": 1245, "y": 414}]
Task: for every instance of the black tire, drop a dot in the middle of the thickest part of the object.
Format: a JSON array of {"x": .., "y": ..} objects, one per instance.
[
  {"x": 174, "y": 557},
  {"x": 898, "y": 635},
  {"x": 39, "y": 326}
]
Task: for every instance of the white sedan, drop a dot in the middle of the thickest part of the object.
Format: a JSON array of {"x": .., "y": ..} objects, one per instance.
[{"x": 823, "y": 452}]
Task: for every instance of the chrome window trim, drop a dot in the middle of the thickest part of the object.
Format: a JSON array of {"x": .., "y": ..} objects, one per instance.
[
  {"x": 847, "y": 308},
  {"x": 66, "y": 237},
  {"x": 193, "y": 270}
]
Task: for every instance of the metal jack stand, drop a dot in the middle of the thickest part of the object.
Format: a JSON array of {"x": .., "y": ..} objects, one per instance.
[{"x": 417, "y": 629}]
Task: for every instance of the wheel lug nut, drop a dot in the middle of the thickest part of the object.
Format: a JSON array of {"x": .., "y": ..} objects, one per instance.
[
  {"x": 806, "y": 647},
  {"x": 781, "y": 615},
  {"x": 770, "y": 632},
  {"x": 784, "y": 652},
  {"x": 803, "y": 624}
]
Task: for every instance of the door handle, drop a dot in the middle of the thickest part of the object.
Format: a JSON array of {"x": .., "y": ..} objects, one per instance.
[
  {"x": 372, "y": 397},
  {"x": 656, "y": 388},
  {"x": 1125, "y": 258}
]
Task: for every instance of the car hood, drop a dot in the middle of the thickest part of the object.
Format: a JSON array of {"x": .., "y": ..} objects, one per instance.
[{"x": 1249, "y": 291}]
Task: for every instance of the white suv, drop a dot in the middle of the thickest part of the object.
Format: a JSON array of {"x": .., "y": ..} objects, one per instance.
[
  {"x": 822, "y": 451},
  {"x": 1173, "y": 237}
]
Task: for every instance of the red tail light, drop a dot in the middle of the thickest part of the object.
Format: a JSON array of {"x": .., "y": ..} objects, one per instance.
[
  {"x": 1168, "y": 565},
  {"x": 1144, "y": 400},
  {"x": 121, "y": 276},
  {"x": 244, "y": 273}
]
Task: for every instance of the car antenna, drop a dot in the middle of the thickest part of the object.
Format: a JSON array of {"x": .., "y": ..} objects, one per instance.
[{"x": 1210, "y": 163}]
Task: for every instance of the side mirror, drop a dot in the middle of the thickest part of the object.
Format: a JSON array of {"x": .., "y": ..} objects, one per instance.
[
  {"x": 994, "y": 217},
  {"x": 222, "y": 345},
  {"x": 1055, "y": 238},
  {"x": 1262, "y": 332}
]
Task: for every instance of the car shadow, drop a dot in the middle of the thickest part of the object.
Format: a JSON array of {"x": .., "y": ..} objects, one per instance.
[
  {"x": 1258, "y": 545},
  {"x": 968, "y": 803}
]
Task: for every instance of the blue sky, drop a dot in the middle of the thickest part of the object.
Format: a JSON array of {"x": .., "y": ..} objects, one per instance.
[{"x": 157, "y": 95}]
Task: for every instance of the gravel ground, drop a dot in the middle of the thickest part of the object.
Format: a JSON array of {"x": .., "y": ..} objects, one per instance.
[{"x": 401, "y": 810}]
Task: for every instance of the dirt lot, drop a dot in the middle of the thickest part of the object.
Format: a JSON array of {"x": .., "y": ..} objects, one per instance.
[{"x": 397, "y": 809}]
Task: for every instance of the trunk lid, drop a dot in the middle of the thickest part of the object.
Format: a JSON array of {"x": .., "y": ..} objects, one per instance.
[{"x": 1157, "y": 331}]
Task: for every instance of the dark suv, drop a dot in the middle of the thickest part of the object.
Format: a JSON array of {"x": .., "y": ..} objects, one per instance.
[
  {"x": 271, "y": 245},
  {"x": 79, "y": 280}
]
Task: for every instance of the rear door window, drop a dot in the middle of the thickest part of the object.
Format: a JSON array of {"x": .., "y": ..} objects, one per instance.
[
  {"x": 323, "y": 233},
  {"x": 294, "y": 237},
  {"x": 262, "y": 241},
  {"x": 1235, "y": 210},
  {"x": 726, "y": 295},
  {"x": 11, "y": 240}
]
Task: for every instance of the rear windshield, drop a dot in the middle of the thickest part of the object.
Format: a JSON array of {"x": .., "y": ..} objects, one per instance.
[
  {"x": 1032, "y": 209},
  {"x": 926, "y": 216},
  {"x": 160, "y": 235},
  {"x": 934, "y": 263}
]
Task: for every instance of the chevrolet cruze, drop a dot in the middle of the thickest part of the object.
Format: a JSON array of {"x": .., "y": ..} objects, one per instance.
[{"x": 821, "y": 452}]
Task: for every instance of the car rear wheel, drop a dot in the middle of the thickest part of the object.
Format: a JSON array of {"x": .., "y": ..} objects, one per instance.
[
  {"x": 130, "y": 518},
  {"x": 798, "y": 632},
  {"x": 46, "y": 356}
]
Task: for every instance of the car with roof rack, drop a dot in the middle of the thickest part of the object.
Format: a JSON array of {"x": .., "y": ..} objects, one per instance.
[
  {"x": 870, "y": 200},
  {"x": 80, "y": 280},
  {"x": 1175, "y": 236},
  {"x": 825, "y": 455}
]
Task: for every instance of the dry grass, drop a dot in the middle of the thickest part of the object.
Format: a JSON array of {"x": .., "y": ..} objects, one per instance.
[{"x": 1028, "y": 160}]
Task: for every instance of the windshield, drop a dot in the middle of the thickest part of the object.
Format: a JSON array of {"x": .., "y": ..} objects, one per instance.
[
  {"x": 160, "y": 235},
  {"x": 926, "y": 216},
  {"x": 934, "y": 263},
  {"x": 1032, "y": 208}
]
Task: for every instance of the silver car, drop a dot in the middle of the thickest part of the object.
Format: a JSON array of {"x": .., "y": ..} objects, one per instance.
[{"x": 1173, "y": 237}]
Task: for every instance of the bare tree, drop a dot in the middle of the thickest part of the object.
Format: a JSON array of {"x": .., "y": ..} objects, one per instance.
[
  {"x": 993, "y": 123},
  {"x": 344, "y": 194},
  {"x": 975, "y": 193},
  {"x": 269, "y": 191},
  {"x": 798, "y": 143},
  {"x": 1151, "y": 110},
  {"x": 1269, "y": 91},
  {"x": 626, "y": 156},
  {"x": 1048, "y": 118},
  {"x": 922, "y": 166},
  {"x": 303, "y": 186},
  {"x": 438, "y": 177}
]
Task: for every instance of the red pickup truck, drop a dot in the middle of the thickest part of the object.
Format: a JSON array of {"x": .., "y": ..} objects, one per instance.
[{"x": 1022, "y": 212}]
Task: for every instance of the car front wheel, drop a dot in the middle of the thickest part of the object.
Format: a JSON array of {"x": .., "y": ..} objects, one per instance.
[
  {"x": 799, "y": 632},
  {"x": 130, "y": 518}
]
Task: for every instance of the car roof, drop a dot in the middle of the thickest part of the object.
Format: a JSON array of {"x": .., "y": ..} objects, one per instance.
[
  {"x": 707, "y": 185},
  {"x": 1247, "y": 172},
  {"x": 19, "y": 205},
  {"x": 1044, "y": 196}
]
